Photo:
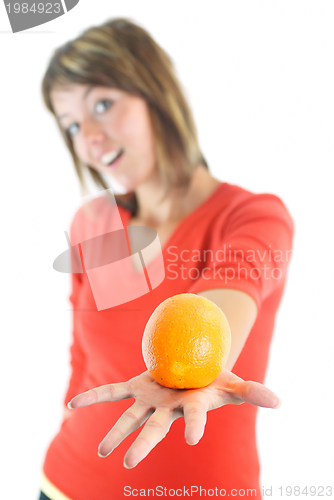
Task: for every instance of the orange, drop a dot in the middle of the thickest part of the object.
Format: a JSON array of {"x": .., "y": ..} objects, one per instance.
[{"x": 186, "y": 342}]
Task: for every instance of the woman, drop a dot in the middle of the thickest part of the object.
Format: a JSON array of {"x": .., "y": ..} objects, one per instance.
[{"x": 123, "y": 116}]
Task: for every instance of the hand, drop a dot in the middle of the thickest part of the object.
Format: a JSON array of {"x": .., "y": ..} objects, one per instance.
[{"x": 162, "y": 406}]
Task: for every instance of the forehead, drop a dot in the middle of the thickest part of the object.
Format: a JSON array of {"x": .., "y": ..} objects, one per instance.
[
  {"x": 67, "y": 97},
  {"x": 75, "y": 95},
  {"x": 69, "y": 92},
  {"x": 80, "y": 90},
  {"x": 66, "y": 100}
]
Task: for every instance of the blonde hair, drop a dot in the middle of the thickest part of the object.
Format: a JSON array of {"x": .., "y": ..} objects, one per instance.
[{"x": 123, "y": 55}]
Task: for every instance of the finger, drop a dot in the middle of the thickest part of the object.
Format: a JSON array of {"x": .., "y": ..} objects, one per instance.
[
  {"x": 153, "y": 432},
  {"x": 102, "y": 394},
  {"x": 195, "y": 420},
  {"x": 131, "y": 420},
  {"x": 256, "y": 394}
]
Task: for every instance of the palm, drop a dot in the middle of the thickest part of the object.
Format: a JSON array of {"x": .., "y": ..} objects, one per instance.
[{"x": 161, "y": 406}]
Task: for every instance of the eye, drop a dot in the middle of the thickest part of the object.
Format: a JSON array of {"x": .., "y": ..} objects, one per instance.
[
  {"x": 103, "y": 105},
  {"x": 100, "y": 107},
  {"x": 69, "y": 130}
]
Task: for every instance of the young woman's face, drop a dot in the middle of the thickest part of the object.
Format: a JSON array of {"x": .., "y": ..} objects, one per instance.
[{"x": 103, "y": 122}]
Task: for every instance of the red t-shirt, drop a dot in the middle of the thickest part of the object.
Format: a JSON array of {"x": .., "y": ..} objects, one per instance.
[{"x": 248, "y": 239}]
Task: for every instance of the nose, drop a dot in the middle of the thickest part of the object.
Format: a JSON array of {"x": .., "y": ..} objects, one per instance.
[{"x": 92, "y": 130}]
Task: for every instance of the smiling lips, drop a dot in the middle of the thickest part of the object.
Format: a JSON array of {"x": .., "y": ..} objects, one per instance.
[{"x": 109, "y": 158}]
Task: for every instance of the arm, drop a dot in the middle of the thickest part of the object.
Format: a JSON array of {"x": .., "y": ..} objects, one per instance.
[
  {"x": 240, "y": 310},
  {"x": 260, "y": 225},
  {"x": 161, "y": 406}
]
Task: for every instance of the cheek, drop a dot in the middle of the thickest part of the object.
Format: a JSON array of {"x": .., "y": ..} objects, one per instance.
[
  {"x": 80, "y": 149},
  {"x": 136, "y": 127}
]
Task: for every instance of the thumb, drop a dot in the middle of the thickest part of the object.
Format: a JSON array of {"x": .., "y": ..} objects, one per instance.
[{"x": 256, "y": 394}]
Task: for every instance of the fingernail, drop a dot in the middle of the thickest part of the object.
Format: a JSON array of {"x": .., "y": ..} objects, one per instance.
[
  {"x": 104, "y": 456},
  {"x": 279, "y": 405},
  {"x": 69, "y": 406},
  {"x": 127, "y": 467}
]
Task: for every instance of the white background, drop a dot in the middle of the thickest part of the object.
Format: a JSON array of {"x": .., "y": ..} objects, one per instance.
[{"x": 259, "y": 78}]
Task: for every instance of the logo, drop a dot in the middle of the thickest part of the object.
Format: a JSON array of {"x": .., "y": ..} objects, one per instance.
[
  {"x": 121, "y": 263},
  {"x": 23, "y": 15}
]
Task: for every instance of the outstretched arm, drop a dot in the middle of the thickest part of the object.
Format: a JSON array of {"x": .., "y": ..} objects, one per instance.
[{"x": 160, "y": 406}]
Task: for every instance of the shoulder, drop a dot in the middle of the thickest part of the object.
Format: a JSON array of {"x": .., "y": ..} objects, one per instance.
[
  {"x": 94, "y": 215},
  {"x": 237, "y": 203}
]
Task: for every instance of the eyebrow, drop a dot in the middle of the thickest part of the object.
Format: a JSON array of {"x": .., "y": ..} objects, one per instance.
[{"x": 83, "y": 98}]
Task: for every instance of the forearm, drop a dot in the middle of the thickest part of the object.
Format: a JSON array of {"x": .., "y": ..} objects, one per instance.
[{"x": 240, "y": 310}]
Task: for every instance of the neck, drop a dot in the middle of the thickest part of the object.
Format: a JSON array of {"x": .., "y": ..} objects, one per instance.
[{"x": 180, "y": 201}]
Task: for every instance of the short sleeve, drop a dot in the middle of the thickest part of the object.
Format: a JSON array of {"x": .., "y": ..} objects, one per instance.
[{"x": 251, "y": 248}]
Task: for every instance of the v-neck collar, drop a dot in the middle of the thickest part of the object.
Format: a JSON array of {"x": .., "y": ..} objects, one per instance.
[{"x": 185, "y": 221}]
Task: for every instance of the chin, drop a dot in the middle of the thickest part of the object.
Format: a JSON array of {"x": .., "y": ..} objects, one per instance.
[
  {"x": 116, "y": 186},
  {"x": 123, "y": 186}
]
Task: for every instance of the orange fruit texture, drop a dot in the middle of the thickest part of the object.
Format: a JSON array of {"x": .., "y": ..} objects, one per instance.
[{"x": 186, "y": 342}]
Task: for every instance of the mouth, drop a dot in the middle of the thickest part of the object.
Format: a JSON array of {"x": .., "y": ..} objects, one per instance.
[{"x": 110, "y": 159}]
